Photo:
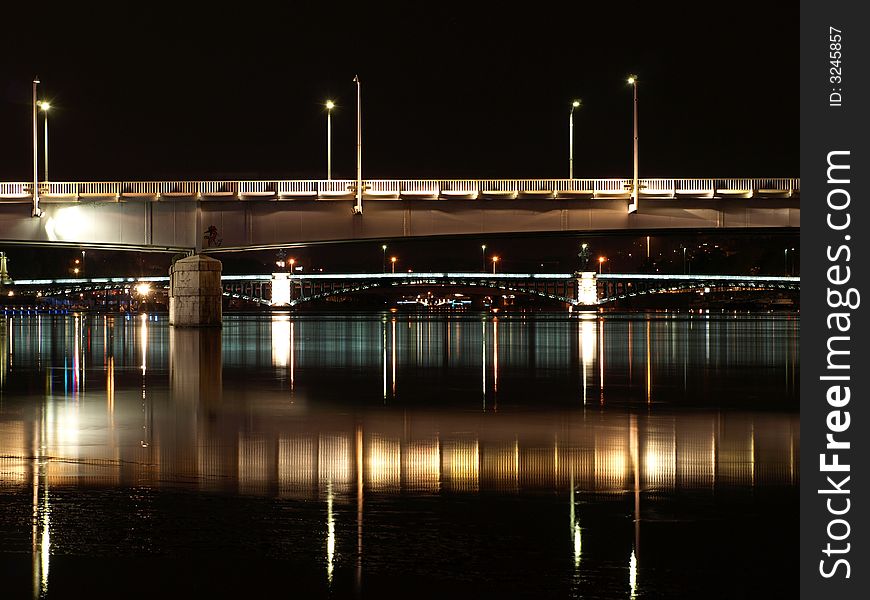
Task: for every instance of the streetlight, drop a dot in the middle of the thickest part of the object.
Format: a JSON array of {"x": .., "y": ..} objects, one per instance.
[
  {"x": 494, "y": 261},
  {"x": 292, "y": 262},
  {"x": 574, "y": 104},
  {"x": 601, "y": 260},
  {"x": 35, "y": 212},
  {"x": 329, "y": 106},
  {"x": 384, "y": 262},
  {"x": 786, "y": 260},
  {"x": 632, "y": 81},
  {"x": 684, "y": 260},
  {"x": 393, "y": 260},
  {"x": 483, "y": 256},
  {"x": 357, "y": 210},
  {"x": 45, "y": 106},
  {"x": 83, "y": 256}
]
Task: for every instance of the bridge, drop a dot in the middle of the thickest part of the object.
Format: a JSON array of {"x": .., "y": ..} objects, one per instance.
[
  {"x": 173, "y": 215},
  {"x": 289, "y": 290}
]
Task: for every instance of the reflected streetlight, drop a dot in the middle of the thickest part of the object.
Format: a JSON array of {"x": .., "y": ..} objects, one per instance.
[
  {"x": 45, "y": 106},
  {"x": 632, "y": 81},
  {"x": 329, "y": 106},
  {"x": 494, "y": 261},
  {"x": 393, "y": 260},
  {"x": 575, "y": 104}
]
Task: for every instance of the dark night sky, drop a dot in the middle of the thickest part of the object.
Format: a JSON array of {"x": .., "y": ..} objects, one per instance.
[{"x": 162, "y": 93}]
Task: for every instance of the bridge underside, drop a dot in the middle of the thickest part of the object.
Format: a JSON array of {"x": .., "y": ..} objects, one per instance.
[{"x": 245, "y": 223}]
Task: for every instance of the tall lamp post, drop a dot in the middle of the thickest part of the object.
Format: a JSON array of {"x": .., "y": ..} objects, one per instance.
[
  {"x": 384, "y": 263},
  {"x": 787, "y": 270},
  {"x": 45, "y": 106},
  {"x": 483, "y": 256},
  {"x": 35, "y": 212},
  {"x": 393, "y": 260},
  {"x": 494, "y": 262},
  {"x": 329, "y": 106},
  {"x": 359, "y": 191},
  {"x": 575, "y": 104},
  {"x": 632, "y": 81}
]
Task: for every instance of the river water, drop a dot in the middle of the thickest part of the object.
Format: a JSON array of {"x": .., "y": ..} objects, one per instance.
[{"x": 395, "y": 455}]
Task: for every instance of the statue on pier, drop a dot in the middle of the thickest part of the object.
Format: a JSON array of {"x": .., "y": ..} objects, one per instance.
[
  {"x": 584, "y": 255},
  {"x": 211, "y": 237}
]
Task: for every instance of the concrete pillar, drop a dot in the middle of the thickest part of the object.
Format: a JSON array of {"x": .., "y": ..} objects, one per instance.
[
  {"x": 195, "y": 292},
  {"x": 587, "y": 288}
]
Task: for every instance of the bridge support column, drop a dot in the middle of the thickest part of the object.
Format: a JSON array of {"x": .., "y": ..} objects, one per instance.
[
  {"x": 195, "y": 292},
  {"x": 282, "y": 289},
  {"x": 587, "y": 288}
]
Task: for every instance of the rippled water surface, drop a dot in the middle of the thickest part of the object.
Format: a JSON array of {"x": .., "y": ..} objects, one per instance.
[{"x": 385, "y": 455}]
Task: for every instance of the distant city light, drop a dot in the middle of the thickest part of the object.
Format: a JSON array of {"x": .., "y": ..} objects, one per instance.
[{"x": 143, "y": 289}]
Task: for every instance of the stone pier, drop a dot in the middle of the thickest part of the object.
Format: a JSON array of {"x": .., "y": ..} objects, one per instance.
[
  {"x": 587, "y": 288},
  {"x": 195, "y": 292}
]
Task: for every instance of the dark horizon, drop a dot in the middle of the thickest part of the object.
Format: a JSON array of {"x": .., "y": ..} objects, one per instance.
[{"x": 446, "y": 93}]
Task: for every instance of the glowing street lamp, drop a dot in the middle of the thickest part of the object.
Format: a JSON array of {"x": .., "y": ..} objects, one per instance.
[
  {"x": 357, "y": 209},
  {"x": 786, "y": 260},
  {"x": 483, "y": 255},
  {"x": 632, "y": 81},
  {"x": 494, "y": 261},
  {"x": 384, "y": 262},
  {"x": 601, "y": 260},
  {"x": 574, "y": 104},
  {"x": 393, "y": 260},
  {"x": 35, "y": 212},
  {"x": 292, "y": 263},
  {"x": 45, "y": 106},
  {"x": 329, "y": 106}
]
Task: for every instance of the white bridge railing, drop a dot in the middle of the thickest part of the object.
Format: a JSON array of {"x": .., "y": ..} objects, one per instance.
[{"x": 409, "y": 188}]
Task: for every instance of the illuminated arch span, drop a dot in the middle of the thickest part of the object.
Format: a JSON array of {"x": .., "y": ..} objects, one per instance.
[{"x": 529, "y": 288}]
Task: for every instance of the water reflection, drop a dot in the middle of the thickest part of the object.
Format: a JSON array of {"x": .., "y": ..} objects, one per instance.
[
  {"x": 301, "y": 454},
  {"x": 148, "y": 407}
]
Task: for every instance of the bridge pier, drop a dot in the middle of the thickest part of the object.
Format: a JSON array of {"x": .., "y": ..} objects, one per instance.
[
  {"x": 195, "y": 292},
  {"x": 587, "y": 288}
]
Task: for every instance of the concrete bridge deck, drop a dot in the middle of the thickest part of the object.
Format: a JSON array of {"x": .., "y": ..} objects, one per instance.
[{"x": 249, "y": 214}]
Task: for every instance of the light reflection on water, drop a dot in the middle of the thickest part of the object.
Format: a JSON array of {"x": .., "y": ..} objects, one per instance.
[{"x": 283, "y": 408}]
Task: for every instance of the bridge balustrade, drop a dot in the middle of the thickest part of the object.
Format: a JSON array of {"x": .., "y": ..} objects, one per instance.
[{"x": 394, "y": 189}]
